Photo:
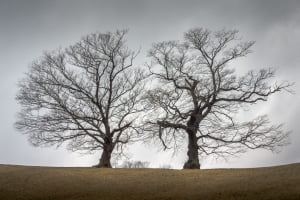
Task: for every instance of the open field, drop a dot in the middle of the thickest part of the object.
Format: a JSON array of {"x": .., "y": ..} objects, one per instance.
[{"x": 45, "y": 183}]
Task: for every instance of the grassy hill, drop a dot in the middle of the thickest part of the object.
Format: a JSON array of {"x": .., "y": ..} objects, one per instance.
[{"x": 45, "y": 183}]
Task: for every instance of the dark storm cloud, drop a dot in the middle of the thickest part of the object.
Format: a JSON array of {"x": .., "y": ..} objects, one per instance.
[{"x": 29, "y": 27}]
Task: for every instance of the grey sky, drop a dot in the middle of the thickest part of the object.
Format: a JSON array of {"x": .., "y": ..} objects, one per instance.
[{"x": 29, "y": 27}]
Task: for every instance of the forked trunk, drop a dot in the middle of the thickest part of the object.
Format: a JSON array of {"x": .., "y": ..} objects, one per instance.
[
  {"x": 193, "y": 159},
  {"x": 105, "y": 157}
]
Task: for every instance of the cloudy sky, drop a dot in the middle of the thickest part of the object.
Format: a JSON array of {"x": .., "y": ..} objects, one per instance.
[{"x": 29, "y": 27}]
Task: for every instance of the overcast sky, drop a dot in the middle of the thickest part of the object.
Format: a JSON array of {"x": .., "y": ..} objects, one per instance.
[{"x": 28, "y": 27}]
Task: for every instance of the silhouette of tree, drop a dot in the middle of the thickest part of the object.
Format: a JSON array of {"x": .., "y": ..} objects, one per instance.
[
  {"x": 199, "y": 95},
  {"x": 87, "y": 94}
]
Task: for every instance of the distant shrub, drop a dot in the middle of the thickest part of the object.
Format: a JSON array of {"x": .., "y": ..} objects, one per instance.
[{"x": 135, "y": 164}]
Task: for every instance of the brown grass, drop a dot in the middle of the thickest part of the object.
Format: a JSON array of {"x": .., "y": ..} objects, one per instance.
[{"x": 45, "y": 183}]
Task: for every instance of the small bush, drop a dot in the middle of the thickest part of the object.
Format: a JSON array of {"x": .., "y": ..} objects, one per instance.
[{"x": 135, "y": 164}]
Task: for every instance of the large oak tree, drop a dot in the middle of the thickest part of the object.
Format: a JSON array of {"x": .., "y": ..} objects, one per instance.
[
  {"x": 199, "y": 94},
  {"x": 87, "y": 95}
]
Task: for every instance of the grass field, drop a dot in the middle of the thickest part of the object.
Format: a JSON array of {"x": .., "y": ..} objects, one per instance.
[{"x": 45, "y": 183}]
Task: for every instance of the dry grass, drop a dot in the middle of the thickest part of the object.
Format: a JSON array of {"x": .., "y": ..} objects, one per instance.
[{"x": 32, "y": 183}]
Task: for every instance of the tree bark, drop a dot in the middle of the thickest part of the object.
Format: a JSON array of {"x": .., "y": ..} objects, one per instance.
[
  {"x": 105, "y": 157},
  {"x": 193, "y": 159}
]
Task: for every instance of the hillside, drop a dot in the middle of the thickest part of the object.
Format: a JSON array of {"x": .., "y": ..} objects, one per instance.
[{"x": 45, "y": 183}]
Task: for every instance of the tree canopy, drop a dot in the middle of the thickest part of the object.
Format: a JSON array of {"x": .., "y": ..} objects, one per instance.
[
  {"x": 198, "y": 96},
  {"x": 87, "y": 94}
]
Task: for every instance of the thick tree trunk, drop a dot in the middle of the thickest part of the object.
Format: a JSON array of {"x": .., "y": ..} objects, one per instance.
[
  {"x": 105, "y": 157},
  {"x": 193, "y": 159}
]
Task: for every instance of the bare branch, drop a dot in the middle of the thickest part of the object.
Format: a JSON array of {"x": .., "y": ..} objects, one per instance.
[
  {"x": 88, "y": 94},
  {"x": 199, "y": 94}
]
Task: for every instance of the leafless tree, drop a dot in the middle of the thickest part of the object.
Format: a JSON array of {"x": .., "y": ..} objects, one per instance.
[
  {"x": 199, "y": 96},
  {"x": 135, "y": 164},
  {"x": 87, "y": 95}
]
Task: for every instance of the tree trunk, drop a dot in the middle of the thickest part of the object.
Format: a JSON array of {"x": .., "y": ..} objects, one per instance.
[
  {"x": 193, "y": 159},
  {"x": 105, "y": 157}
]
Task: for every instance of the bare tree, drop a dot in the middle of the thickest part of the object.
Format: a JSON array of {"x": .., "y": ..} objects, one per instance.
[
  {"x": 199, "y": 96},
  {"x": 135, "y": 164},
  {"x": 87, "y": 94}
]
